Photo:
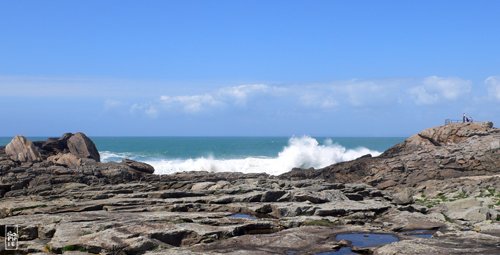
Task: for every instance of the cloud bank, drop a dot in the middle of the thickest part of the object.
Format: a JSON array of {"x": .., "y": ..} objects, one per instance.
[
  {"x": 493, "y": 84},
  {"x": 355, "y": 93},
  {"x": 435, "y": 89},
  {"x": 153, "y": 100}
]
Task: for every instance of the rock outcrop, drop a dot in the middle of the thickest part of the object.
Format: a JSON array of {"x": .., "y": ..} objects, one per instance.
[
  {"x": 450, "y": 151},
  {"x": 82, "y": 147},
  {"x": 139, "y": 166},
  {"x": 68, "y": 203},
  {"x": 22, "y": 149}
]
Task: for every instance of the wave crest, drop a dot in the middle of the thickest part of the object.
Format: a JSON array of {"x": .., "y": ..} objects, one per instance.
[{"x": 303, "y": 152}]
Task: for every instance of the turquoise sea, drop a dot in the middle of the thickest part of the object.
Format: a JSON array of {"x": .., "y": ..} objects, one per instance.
[{"x": 273, "y": 155}]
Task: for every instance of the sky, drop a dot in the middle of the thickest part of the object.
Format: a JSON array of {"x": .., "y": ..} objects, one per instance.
[{"x": 246, "y": 68}]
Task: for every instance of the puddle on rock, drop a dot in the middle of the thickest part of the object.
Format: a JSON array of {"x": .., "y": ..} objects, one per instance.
[
  {"x": 242, "y": 216},
  {"x": 364, "y": 240},
  {"x": 341, "y": 251}
]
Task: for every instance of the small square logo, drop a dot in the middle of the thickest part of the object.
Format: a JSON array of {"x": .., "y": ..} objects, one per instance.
[{"x": 11, "y": 237}]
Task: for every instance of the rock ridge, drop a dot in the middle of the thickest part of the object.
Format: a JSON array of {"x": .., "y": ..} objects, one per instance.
[{"x": 450, "y": 151}]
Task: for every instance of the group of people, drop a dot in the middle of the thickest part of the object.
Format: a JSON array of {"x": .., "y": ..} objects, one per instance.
[{"x": 466, "y": 118}]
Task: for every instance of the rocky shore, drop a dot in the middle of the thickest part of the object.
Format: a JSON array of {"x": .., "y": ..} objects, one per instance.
[{"x": 438, "y": 192}]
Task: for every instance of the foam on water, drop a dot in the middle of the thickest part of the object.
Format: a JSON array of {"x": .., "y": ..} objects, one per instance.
[{"x": 303, "y": 152}]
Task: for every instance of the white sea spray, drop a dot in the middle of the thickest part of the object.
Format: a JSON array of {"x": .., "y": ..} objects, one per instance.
[{"x": 303, "y": 152}]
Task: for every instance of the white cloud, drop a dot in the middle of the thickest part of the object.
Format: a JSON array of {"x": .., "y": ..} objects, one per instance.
[
  {"x": 192, "y": 103},
  {"x": 449, "y": 88},
  {"x": 422, "y": 96},
  {"x": 356, "y": 93},
  {"x": 241, "y": 93},
  {"x": 434, "y": 89},
  {"x": 335, "y": 95},
  {"x": 149, "y": 109},
  {"x": 493, "y": 83},
  {"x": 235, "y": 95},
  {"x": 318, "y": 101}
]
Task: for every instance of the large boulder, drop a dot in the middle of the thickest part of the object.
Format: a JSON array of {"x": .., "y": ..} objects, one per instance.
[
  {"x": 139, "y": 166},
  {"x": 403, "y": 197},
  {"x": 22, "y": 149},
  {"x": 56, "y": 145},
  {"x": 82, "y": 147}
]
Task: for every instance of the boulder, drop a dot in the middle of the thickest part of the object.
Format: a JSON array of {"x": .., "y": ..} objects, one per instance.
[
  {"x": 66, "y": 159},
  {"x": 56, "y": 145},
  {"x": 403, "y": 197},
  {"x": 469, "y": 209},
  {"x": 82, "y": 147},
  {"x": 139, "y": 166},
  {"x": 22, "y": 149}
]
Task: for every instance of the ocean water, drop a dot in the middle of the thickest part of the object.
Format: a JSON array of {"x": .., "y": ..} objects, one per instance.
[{"x": 272, "y": 155}]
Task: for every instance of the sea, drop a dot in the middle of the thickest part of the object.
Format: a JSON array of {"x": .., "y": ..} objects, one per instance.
[{"x": 272, "y": 155}]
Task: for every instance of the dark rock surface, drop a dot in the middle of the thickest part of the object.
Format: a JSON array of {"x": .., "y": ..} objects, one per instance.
[
  {"x": 139, "y": 166},
  {"x": 82, "y": 147},
  {"x": 70, "y": 203}
]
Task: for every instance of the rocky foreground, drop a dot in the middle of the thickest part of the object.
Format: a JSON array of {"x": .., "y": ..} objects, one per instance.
[{"x": 436, "y": 193}]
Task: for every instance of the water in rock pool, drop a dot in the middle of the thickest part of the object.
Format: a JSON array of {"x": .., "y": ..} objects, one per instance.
[
  {"x": 272, "y": 155},
  {"x": 341, "y": 251},
  {"x": 364, "y": 240},
  {"x": 242, "y": 216}
]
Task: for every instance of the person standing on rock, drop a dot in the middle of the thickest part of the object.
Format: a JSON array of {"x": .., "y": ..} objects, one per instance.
[{"x": 464, "y": 118}]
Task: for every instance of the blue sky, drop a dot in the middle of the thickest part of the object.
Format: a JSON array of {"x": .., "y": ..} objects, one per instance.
[{"x": 334, "y": 68}]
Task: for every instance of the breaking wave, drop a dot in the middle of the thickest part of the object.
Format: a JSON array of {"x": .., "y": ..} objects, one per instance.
[{"x": 303, "y": 152}]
